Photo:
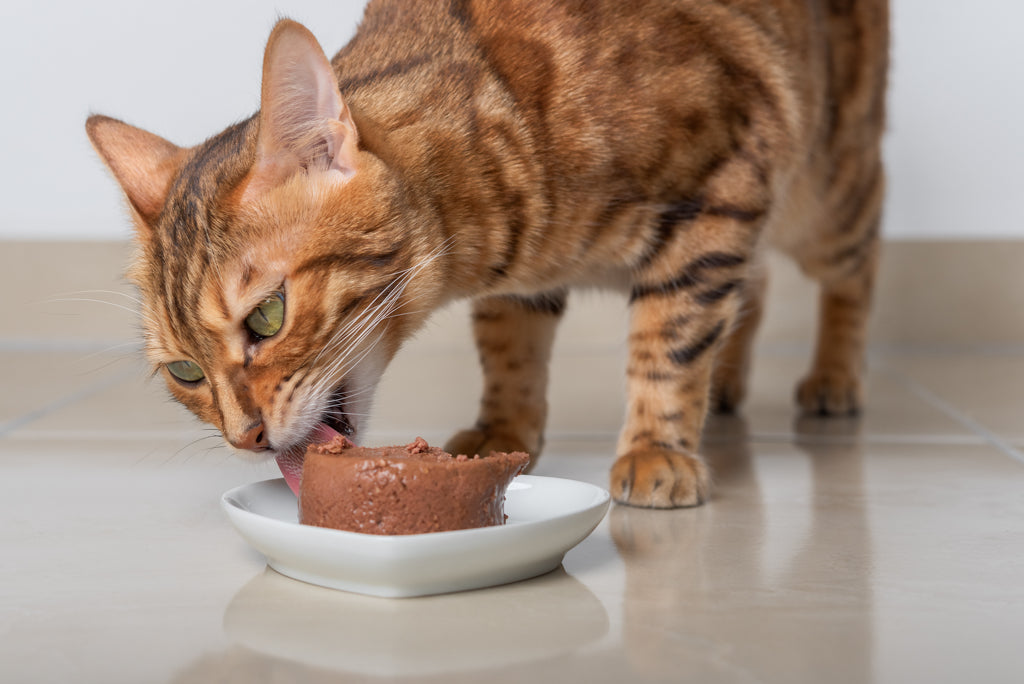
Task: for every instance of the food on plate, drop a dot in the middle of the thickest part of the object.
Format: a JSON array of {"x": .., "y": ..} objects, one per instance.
[{"x": 407, "y": 489}]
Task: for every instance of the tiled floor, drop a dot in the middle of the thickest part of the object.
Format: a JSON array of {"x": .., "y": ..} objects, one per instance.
[{"x": 885, "y": 549}]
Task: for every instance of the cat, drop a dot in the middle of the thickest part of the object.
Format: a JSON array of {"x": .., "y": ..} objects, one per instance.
[{"x": 507, "y": 151}]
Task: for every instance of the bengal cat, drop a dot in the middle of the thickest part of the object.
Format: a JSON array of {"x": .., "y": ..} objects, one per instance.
[{"x": 506, "y": 151}]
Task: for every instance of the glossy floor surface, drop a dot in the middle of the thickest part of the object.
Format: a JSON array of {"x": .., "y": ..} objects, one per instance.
[{"x": 884, "y": 549}]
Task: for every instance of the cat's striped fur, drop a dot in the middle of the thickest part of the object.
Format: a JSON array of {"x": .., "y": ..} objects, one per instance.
[{"x": 508, "y": 151}]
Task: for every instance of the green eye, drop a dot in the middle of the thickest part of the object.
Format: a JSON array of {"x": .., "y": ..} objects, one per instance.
[
  {"x": 268, "y": 316},
  {"x": 186, "y": 371}
]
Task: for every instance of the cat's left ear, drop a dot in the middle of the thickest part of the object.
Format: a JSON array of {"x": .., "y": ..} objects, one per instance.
[
  {"x": 144, "y": 164},
  {"x": 304, "y": 123}
]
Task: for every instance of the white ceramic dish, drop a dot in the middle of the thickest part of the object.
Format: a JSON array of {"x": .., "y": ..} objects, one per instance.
[{"x": 547, "y": 516}]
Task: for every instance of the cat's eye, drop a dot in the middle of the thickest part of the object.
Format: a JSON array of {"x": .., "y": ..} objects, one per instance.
[
  {"x": 268, "y": 316},
  {"x": 186, "y": 371}
]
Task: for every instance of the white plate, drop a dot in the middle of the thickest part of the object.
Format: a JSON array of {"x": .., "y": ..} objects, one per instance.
[{"x": 547, "y": 516}]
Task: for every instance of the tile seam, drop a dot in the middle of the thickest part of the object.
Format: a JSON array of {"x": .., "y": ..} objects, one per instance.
[
  {"x": 67, "y": 400},
  {"x": 952, "y": 412},
  {"x": 40, "y": 345}
]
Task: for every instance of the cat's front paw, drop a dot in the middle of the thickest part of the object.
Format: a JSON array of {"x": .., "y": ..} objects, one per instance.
[
  {"x": 830, "y": 394},
  {"x": 659, "y": 478},
  {"x": 477, "y": 441}
]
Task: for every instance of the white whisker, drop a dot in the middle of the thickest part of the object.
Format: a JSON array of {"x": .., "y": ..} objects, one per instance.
[
  {"x": 96, "y": 292},
  {"x": 94, "y": 301},
  {"x": 358, "y": 337}
]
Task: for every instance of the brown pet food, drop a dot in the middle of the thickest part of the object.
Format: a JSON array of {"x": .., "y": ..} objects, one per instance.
[{"x": 403, "y": 490}]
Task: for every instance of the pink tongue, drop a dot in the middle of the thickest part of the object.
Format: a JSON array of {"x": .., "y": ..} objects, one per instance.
[{"x": 290, "y": 462}]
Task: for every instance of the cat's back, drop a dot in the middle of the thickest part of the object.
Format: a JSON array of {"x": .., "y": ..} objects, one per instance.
[
  {"x": 680, "y": 72},
  {"x": 540, "y": 113}
]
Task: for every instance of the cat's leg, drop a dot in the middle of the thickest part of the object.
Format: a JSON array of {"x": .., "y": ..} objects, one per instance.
[
  {"x": 732, "y": 364},
  {"x": 514, "y": 336},
  {"x": 679, "y": 319},
  {"x": 833, "y": 387},
  {"x": 845, "y": 267}
]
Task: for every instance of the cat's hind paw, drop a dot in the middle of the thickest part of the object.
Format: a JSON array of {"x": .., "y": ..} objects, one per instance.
[
  {"x": 659, "y": 478},
  {"x": 830, "y": 394},
  {"x": 728, "y": 389}
]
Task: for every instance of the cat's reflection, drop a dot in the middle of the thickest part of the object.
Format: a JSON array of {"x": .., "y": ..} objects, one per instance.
[
  {"x": 299, "y": 627},
  {"x": 700, "y": 593}
]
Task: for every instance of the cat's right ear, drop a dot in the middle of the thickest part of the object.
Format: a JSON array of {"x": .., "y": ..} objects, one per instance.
[
  {"x": 303, "y": 122},
  {"x": 144, "y": 164}
]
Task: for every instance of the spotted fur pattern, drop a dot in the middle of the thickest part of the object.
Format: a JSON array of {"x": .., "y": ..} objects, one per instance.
[{"x": 507, "y": 151}]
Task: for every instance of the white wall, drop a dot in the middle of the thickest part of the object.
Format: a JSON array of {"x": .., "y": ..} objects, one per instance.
[
  {"x": 955, "y": 142},
  {"x": 183, "y": 69},
  {"x": 188, "y": 68}
]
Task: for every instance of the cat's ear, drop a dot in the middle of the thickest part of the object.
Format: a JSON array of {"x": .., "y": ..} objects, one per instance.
[
  {"x": 144, "y": 164},
  {"x": 304, "y": 123}
]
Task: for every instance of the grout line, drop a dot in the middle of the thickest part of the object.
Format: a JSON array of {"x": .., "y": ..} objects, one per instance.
[
  {"x": 886, "y": 350},
  {"x": 107, "y": 435},
  {"x": 750, "y": 438},
  {"x": 45, "y": 345},
  {"x": 945, "y": 407},
  {"x": 396, "y": 436},
  {"x": 850, "y": 440},
  {"x": 36, "y": 414},
  {"x": 796, "y": 438}
]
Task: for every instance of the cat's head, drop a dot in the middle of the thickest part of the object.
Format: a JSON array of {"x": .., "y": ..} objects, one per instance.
[{"x": 278, "y": 266}]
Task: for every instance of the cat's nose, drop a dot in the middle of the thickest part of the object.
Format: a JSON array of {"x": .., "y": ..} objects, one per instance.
[{"x": 253, "y": 439}]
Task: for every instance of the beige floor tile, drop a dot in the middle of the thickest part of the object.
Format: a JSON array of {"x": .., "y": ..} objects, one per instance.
[
  {"x": 125, "y": 449},
  {"x": 586, "y": 397},
  {"x": 36, "y": 383},
  {"x": 839, "y": 563},
  {"x": 987, "y": 390},
  {"x": 134, "y": 404},
  {"x": 892, "y": 411},
  {"x": 867, "y": 563}
]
